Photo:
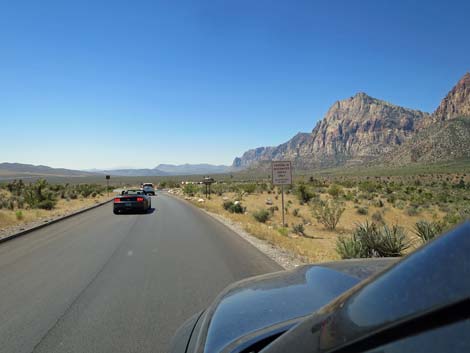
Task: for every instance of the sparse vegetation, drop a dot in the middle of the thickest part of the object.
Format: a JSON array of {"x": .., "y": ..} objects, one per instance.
[
  {"x": 298, "y": 229},
  {"x": 262, "y": 215},
  {"x": 371, "y": 240},
  {"x": 328, "y": 213},
  {"x": 427, "y": 231},
  {"x": 22, "y": 202},
  {"x": 339, "y": 202}
]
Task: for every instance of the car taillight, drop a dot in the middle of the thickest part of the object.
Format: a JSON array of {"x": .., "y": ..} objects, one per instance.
[
  {"x": 117, "y": 200},
  {"x": 140, "y": 199}
]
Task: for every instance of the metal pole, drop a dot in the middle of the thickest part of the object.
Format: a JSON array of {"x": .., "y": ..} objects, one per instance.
[
  {"x": 282, "y": 197},
  {"x": 107, "y": 187}
]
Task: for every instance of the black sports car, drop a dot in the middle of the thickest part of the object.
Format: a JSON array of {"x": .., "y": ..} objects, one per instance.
[
  {"x": 418, "y": 304},
  {"x": 132, "y": 200}
]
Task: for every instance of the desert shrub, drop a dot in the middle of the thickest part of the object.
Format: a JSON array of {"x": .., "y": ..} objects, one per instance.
[
  {"x": 19, "y": 215},
  {"x": 295, "y": 212},
  {"x": 236, "y": 208},
  {"x": 304, "y": 194},
  {"x": 298, "y": 229},
  {"x": 412, "y": 211},
  {"x": 272, "y": 209},
  {"x": 262, "y": 215},
  {"x": 370, "y": 240},
  {"x": 349, "y": 196},
  {"x": 400, "y": 204},
  {"x": 427, "y": 231},
  {"x": 378, "y": 203},
  {"x": 46, "y": 204},
  {"x": 283, "y": 231},
  {"x": 369, "y": 186},
  {"x": 227, "y": 204},
  {"x": 335, "y": 190},
  {"x": 363, "y": 210},
  {"x": 391, "y": 198},
  {"x": 393, "y": 241},
  {"x": 349, "y": 247},
  {"x": 328, "y": 213},
  {"x": 249, "y": 188},
  {"x": 378, "y": 217},
  {"x": 190, "y": 189}
]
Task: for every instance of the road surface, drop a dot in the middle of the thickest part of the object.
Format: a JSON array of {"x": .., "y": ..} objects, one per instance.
[{"x": 99, "y": 282}]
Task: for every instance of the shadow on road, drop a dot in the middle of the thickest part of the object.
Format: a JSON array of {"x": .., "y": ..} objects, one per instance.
[{"x": 149, "y": 211}]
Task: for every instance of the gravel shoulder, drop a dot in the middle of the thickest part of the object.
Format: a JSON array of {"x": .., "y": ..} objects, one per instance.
[{"x": 282, "y": 257}]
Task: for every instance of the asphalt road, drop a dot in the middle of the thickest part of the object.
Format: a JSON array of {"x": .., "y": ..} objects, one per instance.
[{"x": 100, "y": 282}]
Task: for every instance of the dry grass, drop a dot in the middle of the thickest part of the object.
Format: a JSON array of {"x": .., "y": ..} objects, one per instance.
[{"x": 319, "y": 244}]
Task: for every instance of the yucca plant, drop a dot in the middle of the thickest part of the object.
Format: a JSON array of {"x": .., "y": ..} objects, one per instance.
[
  {"x": 350, "y": 247},
  {"x": 427, "y": 231}
]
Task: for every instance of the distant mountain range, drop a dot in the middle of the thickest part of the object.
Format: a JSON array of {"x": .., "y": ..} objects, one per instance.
[
  {"x": 11, "y": 170},
  {"x": 170, "y": 169},
  {"x": 18, "y": 169},
  {"x": 362, "y": 130}
]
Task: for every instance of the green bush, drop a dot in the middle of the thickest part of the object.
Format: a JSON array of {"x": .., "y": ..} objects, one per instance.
[
  {"x": 227, "y": 204},
  {"x": 272, "y": 209},
  {"x": 283, "y": 231},
  {"x": 412, "y": 211},
  {"x": 335, "y": 190},
  {"x": 370, "y": 240},
  {"x": 298, "y": 229},
  {"x": 427, "y": 231},
  {"x": 262, "y": 215},
  {"x": 304, "y": 194},
  {"x": 349, "y": 247},
  {"x": 363, "y": 210},
  {"x": 46, "y": 204},
  {"x": 19, "y": 215},
  {"x": 378, "y": 217},
  {"x": 190, "y": 189},
  {"x": 233, "y": 207},
  {"x": 328, "y": 213}
]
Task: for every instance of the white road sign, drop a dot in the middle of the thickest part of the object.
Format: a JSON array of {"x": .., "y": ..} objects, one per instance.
[{"x": 282, "y": 172}]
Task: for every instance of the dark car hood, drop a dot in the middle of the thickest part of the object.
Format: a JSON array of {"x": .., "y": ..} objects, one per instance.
[{"x": 275, "y": 302}]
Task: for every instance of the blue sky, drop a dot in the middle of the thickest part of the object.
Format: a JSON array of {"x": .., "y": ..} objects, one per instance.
[{"x": 103, "y": 84}]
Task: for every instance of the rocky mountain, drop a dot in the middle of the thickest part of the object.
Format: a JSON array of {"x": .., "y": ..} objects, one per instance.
[
  {"x": 457, "y": 102},
  {"x": 443, "y": 137},
  {"x": 354, "y": 130}
]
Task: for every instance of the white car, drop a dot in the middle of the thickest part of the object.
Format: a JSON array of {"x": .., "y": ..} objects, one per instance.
[{"x": 148, "y": 189}]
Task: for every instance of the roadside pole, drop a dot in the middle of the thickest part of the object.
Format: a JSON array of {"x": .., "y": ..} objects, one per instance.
[
  {"x": 282, "y": 175},
  {"x": 107, "y": 185},
  {"x": 283, "y": 209},
  {"x": 207, "y": 181}
]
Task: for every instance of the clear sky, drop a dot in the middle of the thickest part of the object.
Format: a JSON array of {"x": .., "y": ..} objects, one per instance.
[{"x": 102, "y": 84}]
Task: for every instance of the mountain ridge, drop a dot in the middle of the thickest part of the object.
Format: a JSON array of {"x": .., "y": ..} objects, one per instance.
[{"x": 362, "y": 130}]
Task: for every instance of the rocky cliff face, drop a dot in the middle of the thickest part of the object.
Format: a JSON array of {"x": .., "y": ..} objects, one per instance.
[
  {"x": 356, "y": 129},
  {"x": 444, "y": 136},
  {"x": 457, "y": 102}
]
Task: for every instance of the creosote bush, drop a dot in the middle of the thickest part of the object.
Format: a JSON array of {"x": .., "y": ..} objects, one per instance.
[
  {"x": 262, "y": 215},
  {"x": 233, "y": 207},
  {"x": 328, "y": 213}
]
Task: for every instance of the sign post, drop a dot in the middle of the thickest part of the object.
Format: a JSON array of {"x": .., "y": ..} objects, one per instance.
[
  {"x": 208, "y": 181},
  {"x": 282, "y": 175},
  {"x": 107, "y": 184}
]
